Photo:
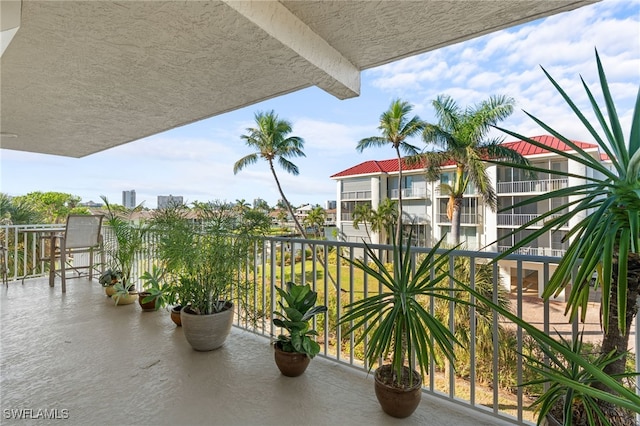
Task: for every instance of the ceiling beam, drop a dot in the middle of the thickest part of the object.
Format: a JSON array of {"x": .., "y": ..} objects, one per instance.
[{"x": 323, "y": 65}]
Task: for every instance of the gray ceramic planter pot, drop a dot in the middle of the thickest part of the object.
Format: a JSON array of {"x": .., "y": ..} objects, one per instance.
[{"x": 207, "y": 332}]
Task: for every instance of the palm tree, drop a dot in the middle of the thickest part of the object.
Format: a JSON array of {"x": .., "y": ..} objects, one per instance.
[
  {"x": 461, "y": 136},
  {"x": 315, "y": 219},
  {"x": 270, "y": 140},
  {"x": 396, "y": 127},
  {"x": 380, "y": 220}
]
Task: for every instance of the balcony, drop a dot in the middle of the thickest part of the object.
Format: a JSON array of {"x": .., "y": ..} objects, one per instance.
[
  {"x": 516, "y": 220},
  {"x": 409, "y": 193},
  {"x": 536, "y": 251},
  {"x": 528, "y": 186},
  {"x": 98, "y": 364},
  {"x": 107, "y": 365},
  {"x": 465, "y": 218},
  {"x": 355, "y": 195}
]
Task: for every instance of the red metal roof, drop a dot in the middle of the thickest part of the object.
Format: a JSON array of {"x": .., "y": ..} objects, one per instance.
[{"x": 524, "y": 148}]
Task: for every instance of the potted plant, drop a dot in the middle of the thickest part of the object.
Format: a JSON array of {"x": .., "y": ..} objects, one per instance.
[
  {"x": 396, "y": 323},
  {"x": 156, "y": 293},
  {"x": 124, "y": 240},
  {"x": 294, "y": 350},
  {"x": 124, "y": 294},
  {"x": 108, "y": 279},
  {"x": 206, "y": 258}
]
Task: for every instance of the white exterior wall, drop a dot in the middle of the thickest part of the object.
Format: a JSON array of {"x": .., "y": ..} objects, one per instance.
[{"x": 488, "y": 227}]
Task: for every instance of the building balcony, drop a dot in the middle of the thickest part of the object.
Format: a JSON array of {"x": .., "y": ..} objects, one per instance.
[
  {"x": 420, "y": 193},
  {"x": 89, "y": 362},
  {"x": 355, "y": 195},
  {"x": 536, "y": 251},
  {"x": 516, "y": 220},
  {"x": 531, "y": 186},
  {"x": 106, "y": 364},
  {"x": 465, "y": 219}
]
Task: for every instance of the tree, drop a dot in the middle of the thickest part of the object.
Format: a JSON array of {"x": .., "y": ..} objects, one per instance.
[
  {"x": 52, "y": 206},
  {"x": 18, "y": 211},
  {"x": 396, "y": 127},
  {"x": 270, "y": 140},
  {"x": 315, "y": 219},
  {"x": 461, "y": 136},
  {"x": 380, "y": 220}
]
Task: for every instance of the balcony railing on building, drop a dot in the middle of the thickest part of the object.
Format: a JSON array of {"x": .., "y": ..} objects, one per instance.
[
  {"x": 356, "y": 195},
  {"x": 465, "y": 218},
  {"x": 516, "y": 220},
  {"x": 409, "y": 193},
  {"x": 272, "y": 261},
  {"x": 527, "y": 186}
]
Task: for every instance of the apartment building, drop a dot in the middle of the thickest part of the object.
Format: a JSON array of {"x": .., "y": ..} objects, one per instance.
[{"x": 424, "y": 208}]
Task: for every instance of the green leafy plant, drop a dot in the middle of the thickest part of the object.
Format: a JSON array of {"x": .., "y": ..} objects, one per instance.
[
  {"x": 110, "y": 277},
  {"x": 619, "y": 395},
  {"x": 121, "y": 290},
  {"x": 160, "y": 292},
  {"x": 394, "y": 320},
  {"x": 604, "y": 214},
  {"x": 124, "y": 240},
  {"x": 298, "y": 303},
  {"x": 204, "y": 258},
  {"x": 561, "y": 374}
]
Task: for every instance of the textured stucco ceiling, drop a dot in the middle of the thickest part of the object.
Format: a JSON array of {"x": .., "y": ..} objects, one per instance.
[{"x": 83, "y": 76}]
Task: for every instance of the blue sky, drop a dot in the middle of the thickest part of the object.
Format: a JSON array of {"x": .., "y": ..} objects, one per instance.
[{"x": 196, "y": 161}]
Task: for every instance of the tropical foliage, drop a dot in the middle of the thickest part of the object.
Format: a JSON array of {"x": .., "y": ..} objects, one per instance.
[
  {"x": 298, "y": 307},
  {"x": 271, "y": 141},
  {"x": 394, "y": 321},
  {"x": 461, "y": 137},
  {"x": 604, "y": 216},
  {"x": 124, "y": 240},
  {"x": 396, "y": 127}
]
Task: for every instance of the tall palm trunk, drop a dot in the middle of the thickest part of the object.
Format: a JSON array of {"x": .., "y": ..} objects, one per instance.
[
  {"x": 456, "y": 213},
  {"x": 612, "y": 339},
  {"x": 286, "y": 202},
  {"x": 399, "y": 221}
]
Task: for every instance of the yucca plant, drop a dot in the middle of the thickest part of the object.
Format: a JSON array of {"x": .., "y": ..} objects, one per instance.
[
  {"x": 394, "y": 321},
  {"x": 605, "y": 240},
  {"x": 560, "y": 373}
]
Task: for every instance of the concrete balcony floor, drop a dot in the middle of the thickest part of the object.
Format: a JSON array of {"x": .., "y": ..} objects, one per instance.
[{"x": 100, "y": 364}]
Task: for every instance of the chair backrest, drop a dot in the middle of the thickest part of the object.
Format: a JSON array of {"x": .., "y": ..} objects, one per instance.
[{"x": 83, "y": 231}]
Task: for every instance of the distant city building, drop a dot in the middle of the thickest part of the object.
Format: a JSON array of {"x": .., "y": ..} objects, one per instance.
[
  {"x": 129, "y": 199},
  {"x": 330, "y": 204},
  {"x": 165, "y": 201}
]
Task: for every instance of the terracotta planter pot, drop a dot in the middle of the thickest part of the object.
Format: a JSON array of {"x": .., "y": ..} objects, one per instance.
[
  {"x": 397, "y": 402},
  {"x": 291, "y": 364},
  {"x": 149, "y": 306},
  {"x": 175, "y": 315},
  {"x": 110, "y": 290},
  {"x": 125, "y": 300},
  {"x": 207, "y": 332}
]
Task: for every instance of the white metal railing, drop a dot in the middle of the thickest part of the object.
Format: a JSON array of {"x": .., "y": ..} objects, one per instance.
[
  {"x": 273, "y": 261},
  {"x": 465, "y": 218},
  {"x": 536, "y": 251},
  {"x": 410, "y": 192},
  {"x": 526, "y": 186},
  {"x": 355, "y": 195},
  {"x": 511, "y": 219}
]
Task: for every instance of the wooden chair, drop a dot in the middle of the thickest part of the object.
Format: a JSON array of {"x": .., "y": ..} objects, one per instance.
[{"x": 82, "y": 236}]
